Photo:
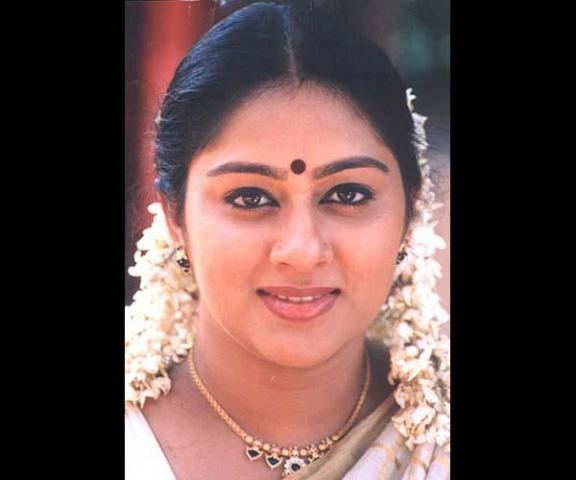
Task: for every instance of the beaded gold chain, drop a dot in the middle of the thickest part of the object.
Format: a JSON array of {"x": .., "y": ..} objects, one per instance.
[{"x": 293, "y": 458}]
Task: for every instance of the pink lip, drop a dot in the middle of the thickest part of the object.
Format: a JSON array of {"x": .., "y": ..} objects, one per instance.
[{"x": 300, "y": 311}]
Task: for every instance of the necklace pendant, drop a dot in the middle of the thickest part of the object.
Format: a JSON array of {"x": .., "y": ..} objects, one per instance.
[
  {"x": 273, "y": 461},
  {"x": 253, "y": 453},
  {"x": 293, "y": 465}
]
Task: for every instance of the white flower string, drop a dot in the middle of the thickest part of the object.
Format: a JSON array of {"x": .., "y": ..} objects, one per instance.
[
  {"x": 159, "y": 324},
  {"x": 160, "y": 319},
  {"x": 410, "y": 321}
]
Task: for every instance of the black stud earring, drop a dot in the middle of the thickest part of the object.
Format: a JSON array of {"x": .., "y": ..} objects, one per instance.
[
  {"x": 402, "y": 253},
  {"x": 182, "y": 259}
]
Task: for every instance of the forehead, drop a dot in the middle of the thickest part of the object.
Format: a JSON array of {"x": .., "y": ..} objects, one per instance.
[{"x": 277, "y": 126}]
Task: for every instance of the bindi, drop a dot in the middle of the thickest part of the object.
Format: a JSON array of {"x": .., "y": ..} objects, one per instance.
[{"x": 298, "y": 166}]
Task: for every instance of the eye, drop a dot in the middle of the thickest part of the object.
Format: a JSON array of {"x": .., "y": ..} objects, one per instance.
[
  {"x": 249, "y": 198},
  {"x": 349, "y": 195}
]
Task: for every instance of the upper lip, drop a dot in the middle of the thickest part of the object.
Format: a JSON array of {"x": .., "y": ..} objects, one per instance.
[{"x": 298, "y": 292}]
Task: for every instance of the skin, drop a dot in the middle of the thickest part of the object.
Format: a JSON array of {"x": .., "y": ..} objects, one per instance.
[{"x": 255, "y": 363}]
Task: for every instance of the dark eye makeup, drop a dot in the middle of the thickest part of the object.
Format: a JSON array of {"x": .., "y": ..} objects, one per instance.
[{"x": 347, "y": 195}]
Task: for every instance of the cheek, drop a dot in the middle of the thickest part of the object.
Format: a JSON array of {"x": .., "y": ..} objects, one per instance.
[
  {"x": 227, "y": 251},
  {"x": 369, "y": 269}
]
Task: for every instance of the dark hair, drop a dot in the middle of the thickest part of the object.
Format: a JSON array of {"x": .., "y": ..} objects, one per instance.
[{"x": 269, "y": 45}]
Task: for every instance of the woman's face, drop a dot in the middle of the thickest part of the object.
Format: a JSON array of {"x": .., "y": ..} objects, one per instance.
[{"x": 247, "y": 232}]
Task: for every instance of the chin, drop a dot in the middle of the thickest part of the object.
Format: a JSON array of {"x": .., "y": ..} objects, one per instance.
[{"x": 302, "y": 354}]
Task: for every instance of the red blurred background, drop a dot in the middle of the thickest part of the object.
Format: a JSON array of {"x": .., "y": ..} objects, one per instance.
[{"x": 157, "y": 35}]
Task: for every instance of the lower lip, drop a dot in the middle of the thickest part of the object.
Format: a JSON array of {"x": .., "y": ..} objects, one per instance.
[{"x": 299, "y": 311}]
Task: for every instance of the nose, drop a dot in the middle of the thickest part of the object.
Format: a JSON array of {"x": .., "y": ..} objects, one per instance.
[{"x": 300, "y": 242}]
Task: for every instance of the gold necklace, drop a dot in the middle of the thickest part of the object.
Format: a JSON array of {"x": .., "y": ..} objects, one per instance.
[{"x": 294, "y": 458}]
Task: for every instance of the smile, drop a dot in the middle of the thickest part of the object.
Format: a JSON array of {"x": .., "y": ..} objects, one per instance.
[{"x": 304, "y": 307}]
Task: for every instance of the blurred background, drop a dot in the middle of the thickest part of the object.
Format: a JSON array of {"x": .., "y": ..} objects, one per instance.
[{"x": 414, "y": 33}]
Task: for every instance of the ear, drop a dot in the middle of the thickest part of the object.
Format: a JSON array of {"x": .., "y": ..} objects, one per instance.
[
  {"x": 414, "y": 193},
  {"x": 176, "y": 231}
]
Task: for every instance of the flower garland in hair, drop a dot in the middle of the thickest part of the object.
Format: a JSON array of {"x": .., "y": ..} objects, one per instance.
[
  {"x": 410, "y": 320},
  {"x": 160, "y": 320}
]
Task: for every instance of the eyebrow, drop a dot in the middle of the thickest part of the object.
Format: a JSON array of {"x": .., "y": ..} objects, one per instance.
[
  {"x": 350, "y": 162},
  {"x": 318, "y": 173}
]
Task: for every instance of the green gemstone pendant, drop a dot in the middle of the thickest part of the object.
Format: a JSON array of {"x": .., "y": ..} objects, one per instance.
[
  {"x": 273, "y": 461},
  {"x": 253, "y": 453},
  {"x": 292, "y": 465}
]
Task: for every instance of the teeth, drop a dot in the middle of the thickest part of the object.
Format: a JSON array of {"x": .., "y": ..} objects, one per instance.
[{"x": 299, "y": 299}]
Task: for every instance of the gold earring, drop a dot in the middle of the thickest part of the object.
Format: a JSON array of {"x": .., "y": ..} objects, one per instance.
[{"x": 182, "y": 259}]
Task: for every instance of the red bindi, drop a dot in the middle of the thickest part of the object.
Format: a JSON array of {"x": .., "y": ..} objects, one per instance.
[{"x": 298, "y": 166}]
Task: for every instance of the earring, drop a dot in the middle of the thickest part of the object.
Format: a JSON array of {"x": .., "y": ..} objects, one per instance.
[
  {"x": 182, "y": 259},
  {"x": 402, "y": 253}
]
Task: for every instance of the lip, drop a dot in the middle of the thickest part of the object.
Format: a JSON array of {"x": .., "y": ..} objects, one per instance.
[
  {"x": 298, "y": 292},
  {"x": 299, "y": 311}
]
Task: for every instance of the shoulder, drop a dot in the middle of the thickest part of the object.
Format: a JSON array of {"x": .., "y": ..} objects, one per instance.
[
  {"x": 388, "y": 457},
  {"x": 144, "y": 459}
]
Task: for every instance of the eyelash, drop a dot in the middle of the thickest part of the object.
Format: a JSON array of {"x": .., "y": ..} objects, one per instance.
[{"x": 257, "y": 192}]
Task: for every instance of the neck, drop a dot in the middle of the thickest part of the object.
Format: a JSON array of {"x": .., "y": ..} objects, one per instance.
[{"x": 285, "y": 405}]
